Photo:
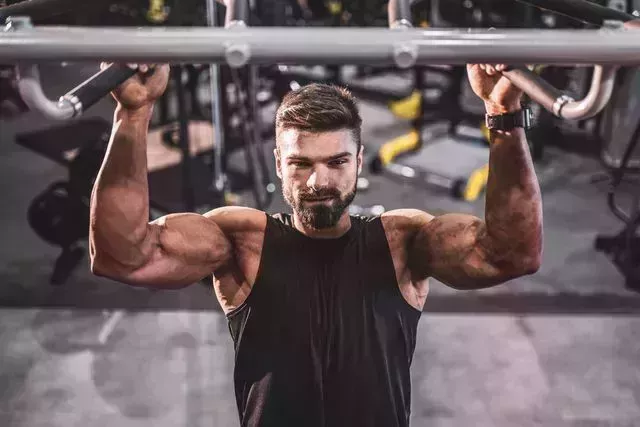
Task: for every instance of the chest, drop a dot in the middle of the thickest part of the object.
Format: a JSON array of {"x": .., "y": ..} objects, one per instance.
[{"x": 325, "y": 282}]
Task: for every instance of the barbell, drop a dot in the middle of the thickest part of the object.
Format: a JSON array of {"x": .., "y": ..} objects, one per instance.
[{"x": 401, "y": 45}]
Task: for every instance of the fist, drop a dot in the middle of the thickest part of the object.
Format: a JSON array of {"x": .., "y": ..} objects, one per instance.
[
  {"x": 144, "y": 88},
  {"x": 498, "y": 93}
]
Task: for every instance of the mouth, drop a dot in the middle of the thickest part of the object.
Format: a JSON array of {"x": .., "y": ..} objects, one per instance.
[{"x": 319, "y": 199}]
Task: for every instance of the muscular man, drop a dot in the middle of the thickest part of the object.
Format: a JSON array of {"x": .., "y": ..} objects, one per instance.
[{"x": 322, "y": 306}]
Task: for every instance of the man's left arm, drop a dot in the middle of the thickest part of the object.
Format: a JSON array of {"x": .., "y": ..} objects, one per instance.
[{"x": 466, "y": 252}]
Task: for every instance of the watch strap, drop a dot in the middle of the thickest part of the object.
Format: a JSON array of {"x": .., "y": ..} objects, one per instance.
[{"x": 509, "y": 121}]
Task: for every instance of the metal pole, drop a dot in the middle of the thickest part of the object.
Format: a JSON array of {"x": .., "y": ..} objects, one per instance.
[
  {"x": 581, "y": 10},
  {"x": 188, "y": 191},
  {"x": 214, "y": 85},
  {"x": 308, "y": 46}
]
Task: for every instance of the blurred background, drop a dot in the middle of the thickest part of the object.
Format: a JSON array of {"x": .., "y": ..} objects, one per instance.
[{"x": 558, "y": 348}]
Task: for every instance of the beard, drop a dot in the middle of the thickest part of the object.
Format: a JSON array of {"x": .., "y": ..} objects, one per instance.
[{"x": 319, "y": 216}]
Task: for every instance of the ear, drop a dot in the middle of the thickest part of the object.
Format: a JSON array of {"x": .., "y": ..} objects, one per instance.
[
  {"x": 360, "y": 159},
  {"x": 278, "y": 164}
]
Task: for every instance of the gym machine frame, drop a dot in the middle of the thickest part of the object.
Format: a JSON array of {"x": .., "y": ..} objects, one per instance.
[{"x": 400, "y": 45}]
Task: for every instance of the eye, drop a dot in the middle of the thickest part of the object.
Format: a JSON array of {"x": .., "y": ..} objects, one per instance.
[
  {"x": 338, "y": 162},
  {"x": 299, "y": 163}
]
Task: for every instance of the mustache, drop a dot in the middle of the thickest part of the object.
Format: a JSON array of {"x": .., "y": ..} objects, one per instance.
[{"x": 319, "y": 195}]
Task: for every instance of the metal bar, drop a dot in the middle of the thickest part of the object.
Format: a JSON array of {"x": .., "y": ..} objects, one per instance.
[
  {"x": 39, "y": 10},
  {"x": 399, "y": 12},
  {"x": 237, "y": 12},
  {"x": 32, "y": 94},
  {"x": 380, "y": 46},
  {"x": 554, "y": 101},
  {"x": 188, "y": 192},
  {"x": 581, "y": 10},
  {"x": 216, "y": 117}
]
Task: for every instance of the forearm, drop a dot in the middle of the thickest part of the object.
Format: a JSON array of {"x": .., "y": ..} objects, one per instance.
[
  {"x": 120, "y": 199},
  {"x": 513, "y": 213}
]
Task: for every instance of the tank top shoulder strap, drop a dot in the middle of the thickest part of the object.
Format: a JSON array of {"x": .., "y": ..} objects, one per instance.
[
  {"x": 279, "y": 223},
  {"x": 373, "y": 239},
  {"x": 274, "y": 232},
  {"x": 372, "y": 227}
]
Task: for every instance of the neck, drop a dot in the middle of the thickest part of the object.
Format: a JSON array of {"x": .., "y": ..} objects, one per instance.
[{"x": 343, "y": 225}]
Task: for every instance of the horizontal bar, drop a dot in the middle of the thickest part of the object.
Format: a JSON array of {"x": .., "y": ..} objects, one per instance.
[
  {"x": 38, "y": 9},
  {"x": 380, "y": 46},
  {"x": 581, "y": 10}
]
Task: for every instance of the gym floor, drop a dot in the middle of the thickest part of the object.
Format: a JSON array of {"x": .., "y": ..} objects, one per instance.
[{"x": 559, "y": 348}]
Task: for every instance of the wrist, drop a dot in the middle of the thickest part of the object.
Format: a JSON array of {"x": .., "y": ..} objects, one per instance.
[
  {"x": 498, "y": 109},
  {"x": 134, "y": 114}
]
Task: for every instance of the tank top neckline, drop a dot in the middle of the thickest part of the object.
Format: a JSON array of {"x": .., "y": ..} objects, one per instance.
[{"x": 288, "y": 222}]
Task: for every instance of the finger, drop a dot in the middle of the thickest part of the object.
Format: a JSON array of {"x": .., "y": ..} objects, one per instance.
[
  {"x": 158, "y": 75},
  {"x": 490, "y": 70},
  {"x": 635, "y": 24},
  {"x": 144, "y": 68},
  {"x": 482, "y": 67},
  {"x": 501, "y": 67}
]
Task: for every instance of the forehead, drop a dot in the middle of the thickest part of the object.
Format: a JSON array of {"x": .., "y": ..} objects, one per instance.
[{"x": 296, "y": 142}]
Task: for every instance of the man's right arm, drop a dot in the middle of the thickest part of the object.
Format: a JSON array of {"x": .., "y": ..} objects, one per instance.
[{"x": 173, "y": 251}]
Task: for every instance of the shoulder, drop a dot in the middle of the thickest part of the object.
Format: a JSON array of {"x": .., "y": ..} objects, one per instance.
[
  {"x": 234, "y": 220},
  {"x": 404, "y": 222}
]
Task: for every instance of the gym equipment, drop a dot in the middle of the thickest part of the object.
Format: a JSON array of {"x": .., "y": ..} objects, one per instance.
[
  {"x": 458, "y": 163},
  {"x": 46, "y": 12},
  {"x": 58, "y": 217},
  {"x": 403, "y": 47},
  {"x": 309, "y": 46},
  {"x": 619, "y": 120},
  {"x": 405, "y": 54},
  {"x": 11, "y": 103},
  {"x": 61, "y": 220},
  {"x": 371, "y": 44},
  {"x": 585, "y": 11},
  {"x": 453, "y": 162},
  {"x": 621, "y": 128},
  {"x": 60, "y": 214}
]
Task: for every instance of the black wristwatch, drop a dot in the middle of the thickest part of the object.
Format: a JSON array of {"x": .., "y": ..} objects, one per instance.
[{"x": 510, "y": 121}]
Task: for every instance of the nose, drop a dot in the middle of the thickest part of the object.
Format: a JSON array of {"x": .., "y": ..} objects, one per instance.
[{"x": 319, "y": 178}]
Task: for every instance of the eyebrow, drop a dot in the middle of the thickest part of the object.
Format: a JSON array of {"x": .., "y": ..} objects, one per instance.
[{"x": 326, "y": 159}]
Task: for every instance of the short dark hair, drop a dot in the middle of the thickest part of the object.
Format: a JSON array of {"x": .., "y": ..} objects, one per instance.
[{"x": 319, "y": 107}]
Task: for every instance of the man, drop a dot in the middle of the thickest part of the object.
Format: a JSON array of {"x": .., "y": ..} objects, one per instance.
[{"x": 322, "y": 306}]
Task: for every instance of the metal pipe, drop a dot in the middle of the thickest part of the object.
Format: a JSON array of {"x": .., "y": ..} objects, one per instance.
[
  {"x": 561, "y": 105},
  {"x": 307, "y": 46},
  {"x": 237, "y": 12},
  {"x": 186, "y": 169},
  {"x": 32, "y": 95},
  {"x": 41, "y": 10},
  {"x": 216, "y": 117},
  {"x": 399, "y": 13},
  {"x": 581, "y": 10},
  {"x": 29, "y": 87}
]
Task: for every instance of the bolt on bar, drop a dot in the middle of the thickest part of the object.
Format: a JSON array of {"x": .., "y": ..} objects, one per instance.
[{"x": 374, "y": 46}]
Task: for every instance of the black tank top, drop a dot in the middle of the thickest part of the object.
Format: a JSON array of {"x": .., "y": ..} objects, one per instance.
[{"x": 325, "y": 338}]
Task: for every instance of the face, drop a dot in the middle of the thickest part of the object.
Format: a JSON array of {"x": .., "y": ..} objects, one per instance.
[{"x": 319, "y": 173}]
